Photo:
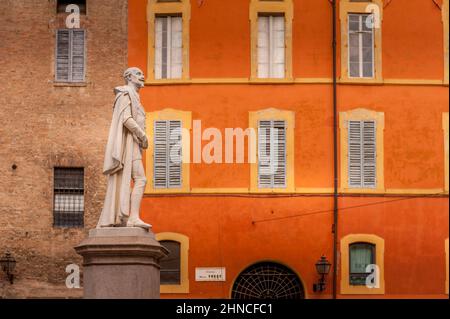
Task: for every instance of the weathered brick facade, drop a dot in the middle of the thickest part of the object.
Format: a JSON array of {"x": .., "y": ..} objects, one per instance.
[{"x": 46, "y": 125}]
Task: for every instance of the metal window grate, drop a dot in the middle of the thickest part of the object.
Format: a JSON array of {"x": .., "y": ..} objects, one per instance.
[
  {"x": 68, "y": 198},
  {"x": 268, "y": 281}
]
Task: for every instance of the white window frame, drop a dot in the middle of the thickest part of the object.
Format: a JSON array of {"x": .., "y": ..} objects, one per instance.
[
  {"x": 360, "y": 38},
  {"x": 271, "y": 48},
  {"x": 169, "y": 61}
]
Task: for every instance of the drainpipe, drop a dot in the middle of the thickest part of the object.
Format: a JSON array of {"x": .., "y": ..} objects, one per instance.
[{"x": 335, "y": 155}]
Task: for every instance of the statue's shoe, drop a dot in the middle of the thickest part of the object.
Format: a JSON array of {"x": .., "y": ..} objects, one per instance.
[{"x": 138, "y": 223}]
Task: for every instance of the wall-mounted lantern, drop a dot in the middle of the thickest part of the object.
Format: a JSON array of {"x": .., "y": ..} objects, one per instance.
[
  {"x": 8, "y": 264},
  {"x": 323, "y": 267}
]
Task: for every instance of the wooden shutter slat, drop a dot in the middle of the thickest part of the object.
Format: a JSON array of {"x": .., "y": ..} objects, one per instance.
[
  {"x": 272, "y": 154},
  {"x": 160, "y": 155},
  {"x": 175, "y": 159},
  {"x": 78, "y": 55},
  {"x": 62, "y": 55}
]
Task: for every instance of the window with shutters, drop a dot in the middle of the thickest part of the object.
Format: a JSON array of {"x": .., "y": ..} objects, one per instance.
[
  {"x": 273, "y": 170},
  {"x": 362, "y": 167},
  {"x": 169, "y": 151},
  {"x": 362, "y": 154},
  {"x": 68, "y": 197},
  {"x": 361, "y": 26},
  {"x": 167, "y": 154},
  {"x": 168, "y": 57},
  {"x": 174, "y": 267},
  {"x": 272, "y": 154},
  {"x": 70, "y": 62},
  {"x": 271, "y": 27},
  {"x": 357, "y": 252}
]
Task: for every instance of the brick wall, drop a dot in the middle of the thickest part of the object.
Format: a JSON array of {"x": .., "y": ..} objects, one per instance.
[{"x": 46, "y": 125}]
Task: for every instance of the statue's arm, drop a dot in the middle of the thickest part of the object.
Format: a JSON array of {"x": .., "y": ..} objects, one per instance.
[{"x": 133, "y": 127}]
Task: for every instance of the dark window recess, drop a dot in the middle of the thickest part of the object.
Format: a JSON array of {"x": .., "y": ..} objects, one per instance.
[
  {"x": 170, "y": 265},
  {"x": 361, "y": 255},
  {"x": 62, "y": 5},
  {"x": 68, "y": 198}
]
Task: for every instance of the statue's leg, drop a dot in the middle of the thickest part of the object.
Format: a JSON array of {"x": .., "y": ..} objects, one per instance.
[{"x": 138, "y": 175}]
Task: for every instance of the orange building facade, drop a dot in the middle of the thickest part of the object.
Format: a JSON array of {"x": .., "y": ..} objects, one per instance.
[{"x": 220, "y": 214}]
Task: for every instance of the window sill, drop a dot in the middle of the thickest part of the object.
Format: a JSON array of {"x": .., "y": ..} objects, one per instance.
[
  {"x": 70, "y": 84},
  {"x": 174, "y": 289}
]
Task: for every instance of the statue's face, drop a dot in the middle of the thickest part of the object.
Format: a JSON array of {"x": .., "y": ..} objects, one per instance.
[{"x": 137, "y": 78}]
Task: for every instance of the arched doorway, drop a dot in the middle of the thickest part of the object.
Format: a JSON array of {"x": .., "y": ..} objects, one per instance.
[{"x": 268, "y": 280}]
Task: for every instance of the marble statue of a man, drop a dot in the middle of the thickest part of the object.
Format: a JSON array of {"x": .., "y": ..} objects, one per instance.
[{"x": 123, "y": 156}]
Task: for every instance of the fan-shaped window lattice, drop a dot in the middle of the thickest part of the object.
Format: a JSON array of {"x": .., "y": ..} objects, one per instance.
[{"x": 267, "y": 281}]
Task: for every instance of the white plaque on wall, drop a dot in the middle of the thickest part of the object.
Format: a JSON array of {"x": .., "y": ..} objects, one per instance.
[{"x": 210, "y": 274}]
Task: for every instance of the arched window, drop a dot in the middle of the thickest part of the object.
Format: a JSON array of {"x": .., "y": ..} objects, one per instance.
[
  {"x": 268, "y": 280},
  {"x": 361, "y": 256},
  {"x": 170, "y": 265},
  {"x": 174, "y": 268},
  {"x": 357, "y": 252}
]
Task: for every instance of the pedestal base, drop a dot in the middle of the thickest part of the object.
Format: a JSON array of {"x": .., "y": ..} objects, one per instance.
[{"x": 121, "y": 263}]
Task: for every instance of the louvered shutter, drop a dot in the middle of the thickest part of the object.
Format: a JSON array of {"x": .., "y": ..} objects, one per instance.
[
  {"x": 264, "y": 147},
  {"x": 362, "y": 154},
  {"x": 62, "y": 55},
  {"x": 272, "y": 154},
  {"x": 279, "y": 154},
  {"x": 78, "y": 55},
  {"x": 369, "y": 151},
  {"x": 70, "y": 55},
  {"x": 175, "y": 159},
  {"x": 354, "y": 154},
  {"x": 167, "y": 154},
  {"x": 160, "y": 155}
]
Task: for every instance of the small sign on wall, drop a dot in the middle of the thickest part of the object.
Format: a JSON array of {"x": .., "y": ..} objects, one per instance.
[{"x": 210, "y": 274}]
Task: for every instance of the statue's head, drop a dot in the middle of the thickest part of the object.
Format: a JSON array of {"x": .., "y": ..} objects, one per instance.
[{"x": 134, "y": 76}]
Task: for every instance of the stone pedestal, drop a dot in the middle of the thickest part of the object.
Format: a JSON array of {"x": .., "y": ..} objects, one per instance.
[{"x": 121, "y": 263}]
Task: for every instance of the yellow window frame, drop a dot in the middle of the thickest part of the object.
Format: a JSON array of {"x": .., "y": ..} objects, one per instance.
[
  {"x": 285, "y": 7},
  {"x": 155, "y": 8},
  {"x": 345, "y": 8},
  {"x": 346, "y": 288},
  {"x": 169, "y": 115},
  {"x": 446, "y": 150},
  {"x": 281, "y": 115},
  {"x": 361, "y": 114},
  {"x": 445, "y": 17},
  {"x": 183, "y": 287}
]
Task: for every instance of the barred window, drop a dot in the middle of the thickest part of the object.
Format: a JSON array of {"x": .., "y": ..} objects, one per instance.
[{"x": 68, "y": 200}]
